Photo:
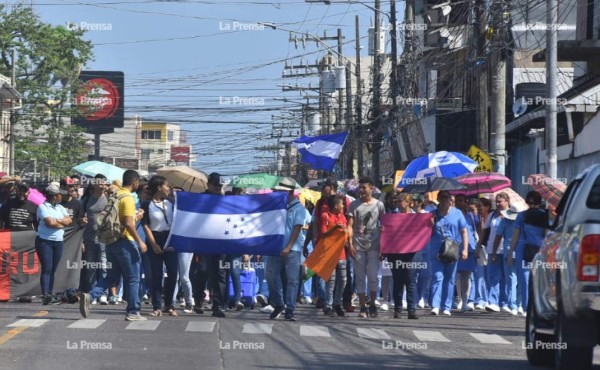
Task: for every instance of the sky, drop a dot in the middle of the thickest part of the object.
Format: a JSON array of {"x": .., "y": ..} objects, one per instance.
[{"x": 209, "y": 65}]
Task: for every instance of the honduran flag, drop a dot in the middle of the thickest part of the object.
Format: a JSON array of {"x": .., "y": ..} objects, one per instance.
[
  {"x": 240, "y": 224},
  {"x": 321, "y": 152}
]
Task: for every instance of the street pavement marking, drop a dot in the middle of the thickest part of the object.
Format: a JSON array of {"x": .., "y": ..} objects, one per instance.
[
  {"x": 430, "y": 336},
  {"x": 87, "y": 324},
  {"x": 372, "y": 333},
  {"x": 143, "y": 325},
  {"x": 28, "y": 323},
  {"x": 314, "y": 331},
  {"x": 258, "y": 328},
  {"x": 10, "y": 334},
  {"x": 489, "y": 338},
  {"x": 200, "y": 326}
]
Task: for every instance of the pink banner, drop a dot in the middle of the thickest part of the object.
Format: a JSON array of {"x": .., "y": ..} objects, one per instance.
[{"x": 405, "y": 232}]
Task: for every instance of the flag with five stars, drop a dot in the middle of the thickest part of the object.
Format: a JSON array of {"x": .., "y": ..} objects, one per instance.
[{"x": 240, "y": 224}]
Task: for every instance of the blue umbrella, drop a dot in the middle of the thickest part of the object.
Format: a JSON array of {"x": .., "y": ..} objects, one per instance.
[
  {"x": 439, "y": 164},
  {"x": 92, "y": 168}
]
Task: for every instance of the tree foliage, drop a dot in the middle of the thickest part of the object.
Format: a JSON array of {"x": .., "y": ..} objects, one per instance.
[{"x": 49, "y": 59}]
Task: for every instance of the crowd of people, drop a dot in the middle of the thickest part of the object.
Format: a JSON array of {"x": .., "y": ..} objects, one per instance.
[{"x": 491, "y": 273}]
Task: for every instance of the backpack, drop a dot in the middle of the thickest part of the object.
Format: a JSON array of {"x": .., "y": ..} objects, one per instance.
[{"x": 109, "y": 225}]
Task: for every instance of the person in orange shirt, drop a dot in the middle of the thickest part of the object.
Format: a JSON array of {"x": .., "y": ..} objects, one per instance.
[{"x": 330, "y": 221}]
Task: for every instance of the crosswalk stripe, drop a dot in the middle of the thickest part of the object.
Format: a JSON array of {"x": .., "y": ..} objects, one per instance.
[
  {"x": 372, "y": 333},
  {"x": 314, "y": 331},
  {"x": 258, "y": 328},
  {"x": 489, "y": 338},
  {"x": 200, "y": 326},
  {"x": 149, "y": 325},
  {"x": 87, "y": 324},
  {"x": 29, "y": 323},
  {"x": 430, "y": 336}
]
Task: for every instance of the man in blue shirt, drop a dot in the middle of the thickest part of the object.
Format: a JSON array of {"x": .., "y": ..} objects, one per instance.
[{"x": 290, "y": 256}]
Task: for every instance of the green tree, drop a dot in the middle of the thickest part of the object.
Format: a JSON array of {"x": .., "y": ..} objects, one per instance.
[{"x": 49, "y": 59}]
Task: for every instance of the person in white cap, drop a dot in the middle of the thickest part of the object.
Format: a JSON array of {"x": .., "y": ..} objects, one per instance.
[{"x": 504, "y": 233}]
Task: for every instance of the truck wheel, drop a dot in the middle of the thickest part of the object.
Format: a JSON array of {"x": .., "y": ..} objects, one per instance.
[
  {"x": 567, "y": 356},
  {"x": 539, "y": 347}
]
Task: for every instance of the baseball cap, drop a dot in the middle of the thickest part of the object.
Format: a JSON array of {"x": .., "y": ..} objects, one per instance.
[
  {"x": 53, "y": 189},
  {"x": 214, "y": 179}
]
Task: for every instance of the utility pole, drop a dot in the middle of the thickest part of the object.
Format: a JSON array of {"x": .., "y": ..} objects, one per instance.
[
  {"x": 394, "y": 112},
  {"x": 339, "y": 64},
  {"x": 13, "y": 117},
  {"x": 349, "y": 124},
  {"x": 498, "y": 95},
  {"x": 552, "y": 90},
  {"x": 481, "y": 92},
  {"x": 376, "y": 112},
  {"x": 359, "y": 128}
]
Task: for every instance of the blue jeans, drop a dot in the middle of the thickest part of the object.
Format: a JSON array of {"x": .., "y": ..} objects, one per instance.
[
  {"x": 263, "y": 288},
  {"x": 349, "y": 281},
  {"x": 423, "y": 277},
  {"x": 95, "y": 253},
  {"x": 185, "y": 262},
  {"x": 442, "y": 284},
  {"x": 49, "y": 253},
  {"x": 336, "y": 285},
  {"x": 496, "y": 281},
  {"x": 124, "y": 259},
  {"x": 235, "y": 269},
  {"x": 291, "y": 262}
]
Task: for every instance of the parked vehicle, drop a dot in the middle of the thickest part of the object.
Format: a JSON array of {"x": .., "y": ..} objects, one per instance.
[{"x": 563, "y": 313}]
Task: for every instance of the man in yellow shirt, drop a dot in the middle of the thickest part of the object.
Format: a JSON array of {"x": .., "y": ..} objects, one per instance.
[{"x": 124, "y": 256}]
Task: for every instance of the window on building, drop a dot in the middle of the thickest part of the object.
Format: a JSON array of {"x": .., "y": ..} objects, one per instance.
[
  {"x": 146, "y": 153},
  {"x": 151, "y": 134},
  {"x": 160, "y": 151},
  {"x": 170, "y": 135}
]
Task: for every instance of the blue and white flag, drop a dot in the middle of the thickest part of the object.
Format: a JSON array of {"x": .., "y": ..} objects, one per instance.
[
  {"x": 321, "y": 152},
  {"x": 243, "y": 224}
]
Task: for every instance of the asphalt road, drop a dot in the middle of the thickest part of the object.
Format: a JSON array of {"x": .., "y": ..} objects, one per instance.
[{"x": 33, "y": 336}]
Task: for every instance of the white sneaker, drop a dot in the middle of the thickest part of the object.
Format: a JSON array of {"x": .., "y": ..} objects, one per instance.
[
  {"x": 267, "y": 309},
  {"x": 94, "y": 301},
  {"x": 467, "y": 308},
  {"x": 459, "y": 305},
  {"x": 435, "y": 311},
  {"x": 308, "y": 300},
  {"x": 492, "y": 308},
  {"x": 384, "y": 307},
  {"x": 524, "y": 314},
  {"x": 103, "y": 301},
  {"x": 377, "y": 303},
  {"x": 404, "y": 305},
  {"x": 520, "y": 311},
  {"x": 506, "y": 309},
  {"x": 447, "y": 313},
  {"x": 471, "y": 306},
  {"x": 514, "y": 312},
  {"x": 421, "y": 303},
  {"x": 480, "y": 307},
  {"x": 391, "y": 305}
]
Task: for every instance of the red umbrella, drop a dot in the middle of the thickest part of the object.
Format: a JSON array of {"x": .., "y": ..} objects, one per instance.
[
  {"x": 550, "y": 189},
  {"x": 482, "y": 182}
]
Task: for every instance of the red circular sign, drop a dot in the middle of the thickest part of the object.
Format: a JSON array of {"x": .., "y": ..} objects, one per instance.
[{"x": 100, "y": 99}]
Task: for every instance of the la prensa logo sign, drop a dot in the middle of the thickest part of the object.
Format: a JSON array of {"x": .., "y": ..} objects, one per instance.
[{"x": 100, "y": 99}]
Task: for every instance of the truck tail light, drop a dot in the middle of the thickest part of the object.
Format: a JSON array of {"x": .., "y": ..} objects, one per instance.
[{"x": 588, "y": 265}]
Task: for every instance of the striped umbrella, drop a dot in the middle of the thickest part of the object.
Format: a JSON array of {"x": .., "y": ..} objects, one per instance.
[
  {"x": 482, "y": 182},
  {"x": 550, "y": 189}
]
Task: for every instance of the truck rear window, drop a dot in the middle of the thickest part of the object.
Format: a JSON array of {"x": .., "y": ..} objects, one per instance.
[{"x": 593, "y": 200}]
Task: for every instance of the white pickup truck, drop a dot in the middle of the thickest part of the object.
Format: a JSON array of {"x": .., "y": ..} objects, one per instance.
[{"x": 563, "y": 314}]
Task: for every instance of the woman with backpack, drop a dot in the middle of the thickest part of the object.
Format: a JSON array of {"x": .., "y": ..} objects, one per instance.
[
  {"x": 158, "y": 217},
  {"x": 52, "y": 219},
  {"x": 530, "y": 228}
]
